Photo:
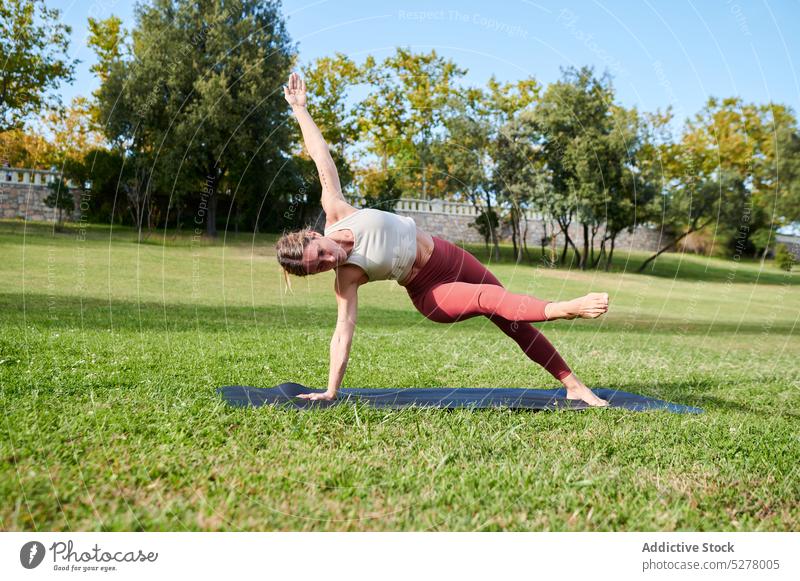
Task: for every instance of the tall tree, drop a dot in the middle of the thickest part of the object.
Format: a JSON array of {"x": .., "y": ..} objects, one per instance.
[
  {"x": 72, "y": 129},
  {"x": 329, "y": 81},
  {"x": 514, "y": 180},
  {"x": 199, "y": 99},
  {"x": 724, "y": 175},
  {"x": 33, "y": 47},
  {"x": 573, "y": 118},
  {"x": 464, "y": 161},
  {"x": 400, "y": 117}
]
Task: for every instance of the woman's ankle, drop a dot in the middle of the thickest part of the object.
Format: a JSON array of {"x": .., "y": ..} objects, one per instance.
[
  {"x": 553, "y": 310},
  {"x": 571, "y": 381}
]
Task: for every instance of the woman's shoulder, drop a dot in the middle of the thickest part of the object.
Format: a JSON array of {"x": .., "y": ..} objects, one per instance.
[{"x": 340, "y": 213}]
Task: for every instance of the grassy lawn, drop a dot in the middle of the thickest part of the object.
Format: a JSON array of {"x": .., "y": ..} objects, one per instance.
[{"x": 110, "y": 352}]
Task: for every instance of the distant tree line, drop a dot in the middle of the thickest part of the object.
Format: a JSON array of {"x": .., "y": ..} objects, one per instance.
[{"x": 189, "y": 130}]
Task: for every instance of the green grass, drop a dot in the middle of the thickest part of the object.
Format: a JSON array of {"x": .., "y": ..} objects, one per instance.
[{"x": 110, "y": 352}]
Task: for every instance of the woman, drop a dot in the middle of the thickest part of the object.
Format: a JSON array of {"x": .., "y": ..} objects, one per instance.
[{"x": 445, "y": 283}]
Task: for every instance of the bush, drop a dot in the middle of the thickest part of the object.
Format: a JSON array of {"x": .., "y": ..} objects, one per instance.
[
  {"x": 60, "y": 198},
  {"x": 783, "y": 258},
  {"x": 485, "y": 223}
]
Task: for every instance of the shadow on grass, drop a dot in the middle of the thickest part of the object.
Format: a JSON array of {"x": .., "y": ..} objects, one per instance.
[
  {"x": 43, "y": 233},
  {"x": 94, "y": 313},
  {"x": 694, "y": 393},
  {"x": 672, "y": 265}
]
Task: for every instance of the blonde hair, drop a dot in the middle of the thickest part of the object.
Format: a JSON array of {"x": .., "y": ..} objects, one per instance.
[{"x": 289, "y": 250}]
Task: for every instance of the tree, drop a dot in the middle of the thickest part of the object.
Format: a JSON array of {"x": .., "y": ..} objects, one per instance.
[
  {"x": 329, "y": 80},
  {"x": 463, "y": 159},
  {"x": 728, "y": 171},
  {"x": 514, "y": 166},
  {"x": 72, "y": 129},
  {"x": 514, "y": 178},
  {"x": 487, "y": 224},
  {"x": 198, "y": 101},
  {"x": 573, "y": 120},
  {"x": 107, "y": 39},
  {"x": 379, "y": 189},
  {"x": 400, "y": 117},
  {"x": 60, "y": 198},
  {"x": 33, "y": 47},
  {"x": 784, "y": 259},
  {"x": 26, "y": 148},
  {"x": 632, "y": 179}
]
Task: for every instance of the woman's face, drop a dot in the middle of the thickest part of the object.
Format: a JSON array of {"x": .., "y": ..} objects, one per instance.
[{"x": 322, "y": 254}]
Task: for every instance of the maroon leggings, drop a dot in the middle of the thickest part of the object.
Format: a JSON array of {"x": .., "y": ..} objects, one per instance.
[{"x": 453, "y": 286}]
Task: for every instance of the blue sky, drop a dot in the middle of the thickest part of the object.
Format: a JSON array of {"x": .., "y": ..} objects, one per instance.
[{"x": 661, "y": 53}]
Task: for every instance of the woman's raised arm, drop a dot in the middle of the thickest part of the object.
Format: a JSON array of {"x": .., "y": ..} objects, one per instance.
[{"x": 332, "y": 198}]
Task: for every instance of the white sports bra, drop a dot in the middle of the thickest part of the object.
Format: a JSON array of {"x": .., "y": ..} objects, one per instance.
[{"x": 385, "y": 244}]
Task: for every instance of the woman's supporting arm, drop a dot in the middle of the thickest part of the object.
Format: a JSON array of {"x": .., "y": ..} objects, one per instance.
[
  {"x": 348, "y": 279},
  {"x": 347, "y": 306}
]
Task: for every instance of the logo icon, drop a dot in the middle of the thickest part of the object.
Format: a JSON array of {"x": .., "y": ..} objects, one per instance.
[{"x": 31, "y": 554}]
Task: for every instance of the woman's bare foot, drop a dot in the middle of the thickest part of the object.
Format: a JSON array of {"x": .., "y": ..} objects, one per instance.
[
  {"x": 576, "y": 390},
  {"x": 588, "y": 306}
]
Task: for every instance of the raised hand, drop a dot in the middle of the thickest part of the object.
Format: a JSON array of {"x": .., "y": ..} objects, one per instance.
[{"x": 295, "y": 91}]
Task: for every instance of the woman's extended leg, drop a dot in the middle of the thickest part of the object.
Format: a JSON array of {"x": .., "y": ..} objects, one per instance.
[
  {"x": 459, "y": 300},
  {"x": 535, "y": 345}
]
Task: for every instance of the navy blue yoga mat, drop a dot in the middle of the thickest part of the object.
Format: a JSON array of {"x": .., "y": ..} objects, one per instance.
[{"x": 443, "y": 397}]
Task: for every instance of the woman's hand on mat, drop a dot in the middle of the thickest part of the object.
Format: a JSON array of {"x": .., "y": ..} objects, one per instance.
[
  {"x": 295, "y": 91},
  {"x": 327, "y": 395}
]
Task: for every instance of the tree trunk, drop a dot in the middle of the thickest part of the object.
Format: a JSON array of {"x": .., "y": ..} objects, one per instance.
[
  {"x": 565, "y": 232},
  {"x": 237, "y": 218},
  {"x": 177, "y": 216},
  {"x": 611, "y": 251},
  {"x": 553, "y": 243},
  {"x": 582, "y": 259},
  {"x": 543, "y": 240},
  {"x": 514, "y": 234},
  {"x": 764, "y": 255},
  {"x": 210, "y": 191},
  {"x": 577, "y": 252},
  {"x": 495, "y": 241},
  {"x": 602, "y": 252},
  {"x": 567, "y": 243},
  {"x": 671, "y": 244},
  {"x": 525, "y": 239}
]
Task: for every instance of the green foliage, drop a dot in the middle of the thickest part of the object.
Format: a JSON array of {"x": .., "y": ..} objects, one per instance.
[
  {"x": 33, "y": 48},
  {"x": 380, "y": 190},
  {"x": 784, "y": 259},
  {"x": 60, "y": 197},
  {"x": 486, "y": 223},
  {"x": 408, "y": 103},
  {"x": 194, "y": 72},
  {"x": 329, "y": 80}
]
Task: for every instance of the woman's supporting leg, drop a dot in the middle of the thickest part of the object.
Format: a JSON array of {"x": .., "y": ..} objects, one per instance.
[{"x": 535, "y": 345}]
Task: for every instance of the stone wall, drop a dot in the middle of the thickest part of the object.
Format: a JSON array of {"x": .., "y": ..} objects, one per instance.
[
  {"x": 22, "y": 194},
  {"x": 456, "y": 228},
  {"x": 25, "y": 201},
  {"x": 792, "y": 244}
]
